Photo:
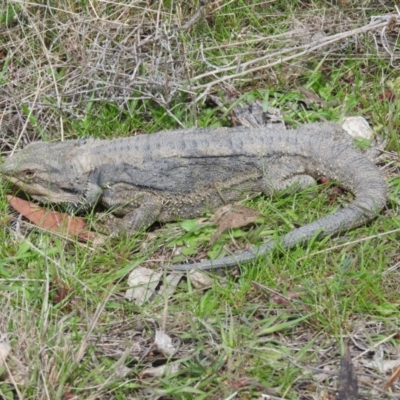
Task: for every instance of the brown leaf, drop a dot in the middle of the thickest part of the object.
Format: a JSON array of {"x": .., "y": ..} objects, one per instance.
[
  {"x": 233, "y": 216},
  {"x": 51, "y": 220},
  {"x": 348, "y": 386},
  {"x": 310, "y": 97},
  {"x": 393, "y": 378},
  {"x": 388, "y": 95}
]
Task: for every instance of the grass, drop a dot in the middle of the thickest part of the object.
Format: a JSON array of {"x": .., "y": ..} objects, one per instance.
[{"x": 277, "y": 327}]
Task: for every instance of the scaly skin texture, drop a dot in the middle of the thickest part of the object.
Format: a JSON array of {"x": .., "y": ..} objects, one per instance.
[{"x": 182, "y": 173}]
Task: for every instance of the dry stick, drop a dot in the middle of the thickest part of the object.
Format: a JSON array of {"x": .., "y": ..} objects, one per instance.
[
  {"x": 308, "y": 48},
  {"x": 384, "y": 41},
  {"x": 11, "y": 376},
  {"x": 222, "y": 4},
  {"x": 386, "y": 339},
  {"x": 321, "y": 43},
  {"x": 289, "y": 35},
  {"x": 232, "y": 396},
  {"x": 45, "y": 312},
  {"x": 84, "y": 343},
  {"x": 94, "y": 10}
]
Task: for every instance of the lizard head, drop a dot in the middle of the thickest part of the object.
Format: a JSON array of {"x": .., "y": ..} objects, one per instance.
[{"x": 46, "y": 172}]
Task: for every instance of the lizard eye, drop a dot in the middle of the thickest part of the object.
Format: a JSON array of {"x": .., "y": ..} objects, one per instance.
[{"x": 29, "y": 174}]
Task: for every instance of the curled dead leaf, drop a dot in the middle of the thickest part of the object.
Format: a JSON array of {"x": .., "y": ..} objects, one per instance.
[
  {"x": 164, "y": 343},
  {"x": 142, "y": 284},
  {"x": 200, "y": 280},
  {"x": 233, "y": 216},
  {"x": 162, "y": 370}
]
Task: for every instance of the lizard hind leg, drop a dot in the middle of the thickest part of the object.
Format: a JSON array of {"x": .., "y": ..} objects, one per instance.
[{"x": 290, "y": 176}]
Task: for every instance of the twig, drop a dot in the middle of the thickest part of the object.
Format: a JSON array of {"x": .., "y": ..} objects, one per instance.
[{"x": 307, "y": 48}]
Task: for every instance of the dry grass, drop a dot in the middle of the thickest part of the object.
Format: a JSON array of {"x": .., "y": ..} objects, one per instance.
[
  {"x": 143, "y": 66},
  {"x": 57, "y": 61}
]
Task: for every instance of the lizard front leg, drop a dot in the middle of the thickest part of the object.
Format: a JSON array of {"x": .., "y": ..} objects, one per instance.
[{"x": 136, "y": 209}]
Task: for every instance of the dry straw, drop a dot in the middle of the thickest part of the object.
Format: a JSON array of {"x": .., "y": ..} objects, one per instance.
[{"x": 58, "y": 60}]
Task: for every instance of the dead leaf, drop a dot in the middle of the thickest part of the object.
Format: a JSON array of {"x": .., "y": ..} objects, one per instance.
[
  {"x": 380, "y": 364},
  {"x": 51, "y": 220},
  {"x": 142, "y": 282},
  {"x": 310, "y": 97},
  {"x": 170, "y": 283},
  {"x": 233, "y": 216},
  {"x": 393, "y": 378},
  {"x": 358, "y": 128},
  {"x": 164, "y": 343},
  {"x": 200, "y": 280},
  {"x": 388, "y": 95},
  {"x": 122, "y": 371},
  {"x": 162, "y": 370},
  {"x": 348, "y": 386}
]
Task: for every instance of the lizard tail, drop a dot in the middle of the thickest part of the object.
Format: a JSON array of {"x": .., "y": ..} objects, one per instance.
[{"x": 367, "y": 204}]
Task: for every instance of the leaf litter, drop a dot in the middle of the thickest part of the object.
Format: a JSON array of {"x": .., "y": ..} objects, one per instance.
[
  {"x": 50, "y": 220},
  {"x": 233, "y": 216}
]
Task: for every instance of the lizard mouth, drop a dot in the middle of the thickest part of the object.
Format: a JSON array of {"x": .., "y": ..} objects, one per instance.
[
  {"x": 32, "y": 189},
  {"x": 43, "y": 194}
]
